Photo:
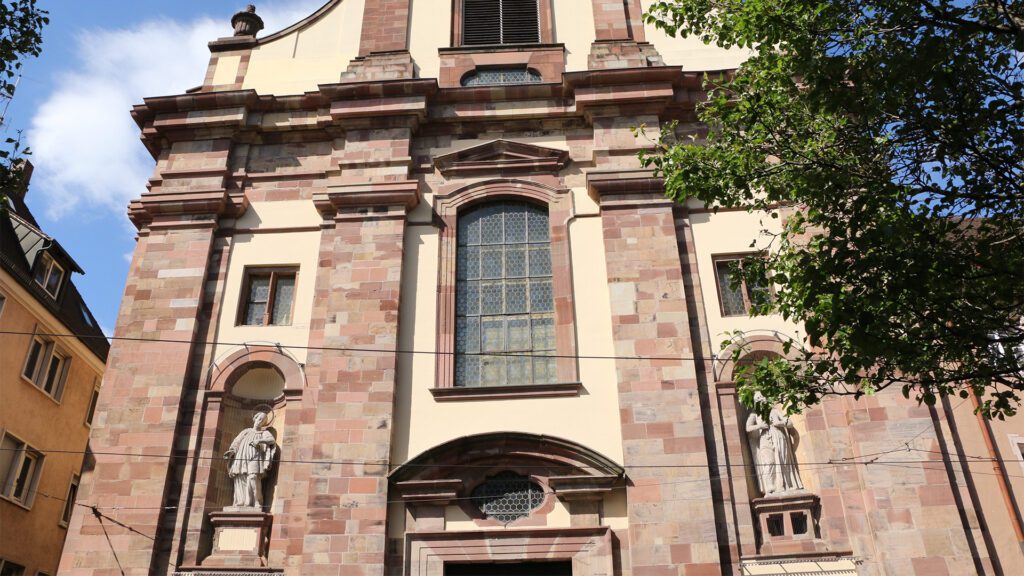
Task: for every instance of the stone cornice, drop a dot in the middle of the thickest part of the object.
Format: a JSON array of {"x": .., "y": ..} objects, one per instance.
[
  {"x": 621, "y": 188},
  {"x": 585, "y": 94},
  {"x": 433, "y": 492},
  {"x": 337, "y": 198},
  {"x": 188, "y": 209}
]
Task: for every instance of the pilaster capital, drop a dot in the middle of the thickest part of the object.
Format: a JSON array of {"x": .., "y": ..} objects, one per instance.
[
  {"x": 190, "y": 209},
  {"x": 367, "y": 195},
  {"x": 627, "y": 188}
]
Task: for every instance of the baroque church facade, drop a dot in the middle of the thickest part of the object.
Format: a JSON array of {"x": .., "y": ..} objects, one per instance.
[{"x": 404, "y": 303}]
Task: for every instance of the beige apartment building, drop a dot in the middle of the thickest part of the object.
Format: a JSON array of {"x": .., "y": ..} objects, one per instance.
[
  {"x": 49, "y": 386},
  {"x": 404, "y": 303}
]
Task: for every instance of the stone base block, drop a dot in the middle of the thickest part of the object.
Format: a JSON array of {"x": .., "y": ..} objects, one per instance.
[
  {"x": 380, "y": 66},
  {"x": 241, "y": 537},
  {"x": 788, "y": 523},
  {"x": 623, "y": 54}
]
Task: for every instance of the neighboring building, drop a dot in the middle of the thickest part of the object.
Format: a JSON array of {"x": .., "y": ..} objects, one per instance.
[
  {"x": 48, "y": 391},
  {"x": 350, "y": 214}
]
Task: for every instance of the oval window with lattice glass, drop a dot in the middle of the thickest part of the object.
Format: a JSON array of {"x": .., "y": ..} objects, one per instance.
[{"x": 507, "y": 496}]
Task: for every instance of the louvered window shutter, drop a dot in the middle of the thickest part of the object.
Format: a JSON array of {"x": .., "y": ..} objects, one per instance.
[{"x": 500, "y": 22}]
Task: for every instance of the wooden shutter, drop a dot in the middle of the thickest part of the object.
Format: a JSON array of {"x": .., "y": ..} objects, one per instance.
[
  {"x": 520, "y": 22},
  {"x": 481, "y": 22},
  {"x": 500, "y": 22}
]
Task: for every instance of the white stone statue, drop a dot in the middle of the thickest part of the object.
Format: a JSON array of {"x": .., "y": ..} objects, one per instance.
[
  {"x": 772, "y": 449},
  {"x": 249, "y": 458}
]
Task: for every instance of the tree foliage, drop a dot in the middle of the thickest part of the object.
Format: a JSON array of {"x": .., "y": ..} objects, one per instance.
[
  {"x": 21, "y": 28},
  {"x": 889, "y": 136}
]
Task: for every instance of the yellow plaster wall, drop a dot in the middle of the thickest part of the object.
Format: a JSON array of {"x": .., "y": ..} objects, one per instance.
[
  {"x": 430, "y": 28},
  {"x": 691, "y": 53},
  {"x": 271, "y": 249},
  {"x": 302, "y": 59},
  {"x": 727, "y": 233},
  {"x": 226, "y": 70},
  {"x": 574, "y": 27},
  {"x": 421, "y": 422},
  {"x": 34, "y": 537}
]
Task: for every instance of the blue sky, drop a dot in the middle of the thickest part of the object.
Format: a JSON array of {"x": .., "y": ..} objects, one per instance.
[{"x": 99, "y": 58}]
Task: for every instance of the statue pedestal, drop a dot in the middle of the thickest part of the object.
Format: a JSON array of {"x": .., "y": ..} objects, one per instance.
[
  {"x": 241, "y": 536},
  {"x": 788, "y": 523}
]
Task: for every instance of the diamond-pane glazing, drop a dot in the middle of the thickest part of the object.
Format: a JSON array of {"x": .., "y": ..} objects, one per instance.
[
  {"x": 501, "y": 76},
  {"x": 498, "y": 310},
  {"x": 507, "y": 496}
]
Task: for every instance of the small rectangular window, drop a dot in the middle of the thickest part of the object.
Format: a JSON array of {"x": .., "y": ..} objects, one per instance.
[
  {"x": 8, "y": 568},
  {"x": 69, "y": 502},
  {"x": 267, "y": 297},
  {"x": 91, "y": 412},
  {"x": 35, "y": 353},
  {"x": 46, "y": 367},
  {"x": 49, "y": 274},
  {"x": 736, "y": 295},
  {"x": 22, "y": 470},
  {"x": 3, "y": 301}
]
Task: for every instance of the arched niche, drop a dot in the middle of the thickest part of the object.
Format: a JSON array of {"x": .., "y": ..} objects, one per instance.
[
  {"x": 253, "y": 378},
  {"x": 256, "y": 367},
  {"x": 758, "y": 347}
]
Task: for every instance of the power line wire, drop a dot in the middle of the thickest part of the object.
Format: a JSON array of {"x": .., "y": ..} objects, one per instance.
[
  {"x": 832, "y": 461},
  {"x": 368, "y": 350}
]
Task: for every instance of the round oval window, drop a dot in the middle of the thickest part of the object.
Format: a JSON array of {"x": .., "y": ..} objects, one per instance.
[{"x": 507, "y": 496}]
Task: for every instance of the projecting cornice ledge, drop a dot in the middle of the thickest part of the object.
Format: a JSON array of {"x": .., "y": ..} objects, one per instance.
[
  {"x": 623, "y": 188},
  {"x": 363, "y": 196},
  {"x": 189, "y": 209}
]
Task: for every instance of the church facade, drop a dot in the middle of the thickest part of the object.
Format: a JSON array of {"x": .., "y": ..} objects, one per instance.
[{"x": 404, "y": 303}]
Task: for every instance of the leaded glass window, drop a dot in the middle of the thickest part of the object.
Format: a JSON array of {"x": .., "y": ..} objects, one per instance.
[
  {"x": 507, "y": 496},
  {"x": 504, "y": 305},
  {"x": 501, "y": 77}
]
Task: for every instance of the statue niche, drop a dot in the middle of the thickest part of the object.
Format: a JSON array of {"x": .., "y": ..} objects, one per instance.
[
  {"x": 250, "y": 458},
  {"x": 773, "y": 451}
]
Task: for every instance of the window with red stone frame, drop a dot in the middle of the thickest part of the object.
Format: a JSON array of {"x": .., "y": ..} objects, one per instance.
[{"x": 546, "y": 365}]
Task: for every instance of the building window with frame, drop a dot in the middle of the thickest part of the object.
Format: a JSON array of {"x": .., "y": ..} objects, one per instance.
[
  {"x": 46, "y": 367},
  {"x": 504, "y": 304},
  {"x": 736, "y": 295},
  {"x": 8, "y": 568},
  {"x": 268, "y": 296},
  {"x": 3, "y": 303},
  {"x": 496, "y": 22},
  {"x": 91, "y": 411},
  {"x": 69, "y": 502},
  {"x": 49, "y": 274},
  {"x": 20, "y": 465}
]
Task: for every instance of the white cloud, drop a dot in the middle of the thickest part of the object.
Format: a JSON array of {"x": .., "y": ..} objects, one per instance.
[{"x": 85, "y": 145}]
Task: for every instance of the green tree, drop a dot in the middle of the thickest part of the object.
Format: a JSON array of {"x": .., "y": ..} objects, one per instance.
[
  {"x": 21, "y": 27},
  {"x": 889, "y": 135}
]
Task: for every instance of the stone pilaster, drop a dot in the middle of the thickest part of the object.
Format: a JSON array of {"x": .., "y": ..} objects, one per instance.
[
  {"x": 671, "y": 515},
  {"x": 135, "y": 445},
  {"x": 350, "y": 399}
]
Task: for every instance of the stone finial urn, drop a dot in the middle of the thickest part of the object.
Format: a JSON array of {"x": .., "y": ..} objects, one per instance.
[{"x": 246, "y": 22}]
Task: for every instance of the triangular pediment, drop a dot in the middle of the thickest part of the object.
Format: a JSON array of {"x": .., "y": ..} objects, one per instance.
[{"x": 502, "y": 157}]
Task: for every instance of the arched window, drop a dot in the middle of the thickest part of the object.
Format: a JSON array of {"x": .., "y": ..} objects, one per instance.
[
  {"x": 501, "y": 77},
  {"x": 488, "y": 22},
  {"x": 504, "y": 305}
]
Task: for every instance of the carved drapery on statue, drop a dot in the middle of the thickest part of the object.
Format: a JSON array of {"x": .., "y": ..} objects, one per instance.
[
  {"x": 773, "y": 450},
  {"x": 250, "y": 458}
]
